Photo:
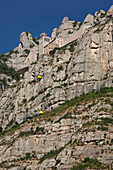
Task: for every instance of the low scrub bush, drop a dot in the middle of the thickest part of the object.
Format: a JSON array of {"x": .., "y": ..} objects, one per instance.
[
  {"x": 59, "y": 68},
  {"x": 50, "y": 154},
  {"x": 27, "y": 51},
  {"x": 39, "y": 130},
  {"x": 88, "y": 163},
  {"x": 0, "y": 129},
  {"x": 24, "y": 101},
  {"x": 32, "y": 98}
]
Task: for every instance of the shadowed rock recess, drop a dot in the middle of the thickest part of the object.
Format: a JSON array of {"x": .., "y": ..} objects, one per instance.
[{"x": 69, "y": 76}]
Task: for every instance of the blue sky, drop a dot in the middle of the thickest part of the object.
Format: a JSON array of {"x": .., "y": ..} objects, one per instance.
[{"x": 37, "y": 16}]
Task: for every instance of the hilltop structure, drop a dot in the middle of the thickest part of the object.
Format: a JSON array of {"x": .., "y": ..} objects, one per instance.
[
  {"x": 61, "y": 37},
  {"x": 76, "y": 60}
]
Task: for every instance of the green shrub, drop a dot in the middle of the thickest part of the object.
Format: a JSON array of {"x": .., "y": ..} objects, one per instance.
[
  {"x": 9, "y": 71},
  {"x": 10, "y": 123},
  {"x": 65, "y": 78},
  {"x": 12, "y": 129},
  {"x": 27, "y": 155},
  {"x": 85, "y": 117},
  {"x": 31, "y": 45},
  {"x": 27, "y": 51},
  {"x": 39, "y": 130},
  {"x": 1, "y": 129},
  {"x": 3, "y": 58},
  {"x": 24, "y": 101},
  {"x": 32, "y": 98},
  {"x": 40, "y": 92},
  {"x": 112, "y": 141},
  {"x": 47, "y": 95},
  {"x": 33, "y": 81},
  {"x": 88, "y": 163},
  {"x": 4, "y": 82},
  {"x": 78, "y": 167},
  {"x": 54, "y": 168},
  {"x": 91, "y": 105},
  {"x": 71, "y": 49},
  {"x": 26, "y": 133},
  {"x": 50, "y": 154},
  {"x": 66, "y": 116},
  {"x": 103, "y": 128},
  {"x": 36, "y": 40},
  {"x": 106, "y": 121},
  {"x": 65, "y": 84},
  {"x": 59, "y": 68},
  {"x": 34, "y": 63}
]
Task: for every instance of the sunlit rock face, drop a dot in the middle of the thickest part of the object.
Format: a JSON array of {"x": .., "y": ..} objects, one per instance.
[{"x": 78, "y": 59}]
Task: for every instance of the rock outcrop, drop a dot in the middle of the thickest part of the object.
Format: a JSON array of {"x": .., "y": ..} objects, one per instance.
[
  {"x": 83, "y": 65},
  {"x": 75, "y": 69},
  {"x": 63, "y": 137},
  {"x": 110, "y": 12}
]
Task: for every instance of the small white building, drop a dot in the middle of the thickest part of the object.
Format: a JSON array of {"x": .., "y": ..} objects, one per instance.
[{"x": 43, "y": 41}]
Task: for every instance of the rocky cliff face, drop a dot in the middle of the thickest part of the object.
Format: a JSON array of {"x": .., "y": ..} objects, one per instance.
[
  {"x": 81, "y": 66},
  {"x": 77, "y": 134}
]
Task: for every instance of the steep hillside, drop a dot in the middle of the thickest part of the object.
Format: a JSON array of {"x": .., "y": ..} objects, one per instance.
[
  {"x": 57, "y": 77},
  {"x": 78, "y": 135},
  {"x": 81, "y": 66},
  {"x": 7, "y": 74}
]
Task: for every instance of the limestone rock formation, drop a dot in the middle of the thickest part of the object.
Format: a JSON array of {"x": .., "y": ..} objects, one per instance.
[
  {"x": 54, "y": 33},
  {"x": 63, "y": 139},
  {"x": 25, "y": 39},
  {"x": 67, "y": 135},
  {"x": 110, "y": 11},
  {"x": 89, "y": 19},
  {"x": 65, "y": 19}
]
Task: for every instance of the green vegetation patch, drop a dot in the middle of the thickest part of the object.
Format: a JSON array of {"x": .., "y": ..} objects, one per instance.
[
  {"x": 31, "y": 45},
  {"x": 24, "y": 100},
  {"x": 10, "y": 123},
  {"x": 65, "y": 78},
  {"x": 4, "y": 57},
  {"x": 72, "y": 45},
  {"x": 1, "y": 129},
  {"x": 26, "y": 133},
  {"x": 100, "y": 27},
  {"x": 3, "y": 82},
  {"x": 64, "y": 48},
  {"x": 104, "y": 92},
  {"x": 32, "y": 98},
  {"x": 36, "y": 40},
  {"x": 40, "y": 92},
  {"x": 105, "y": 121},
  {"x": 59, "y": 68},
  {"x": 34, "y": 63},
  {"x": 40, "y": 130},
  {"x": 51, "y": 154},
  {"x": 33, "y": 81},
  {"x": 91, "y": 105},
  {"x": 27, "y": 51},
  {"x": 66, "y": 116},
  {"x": 9, "y": 71},
  {"x": 88, "y": 163},
  {"x": 10, "y": 130},
  {"x": 4, "y": 164}
]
